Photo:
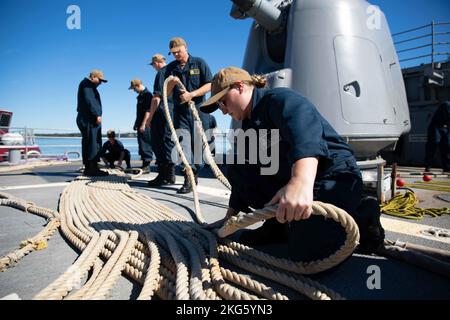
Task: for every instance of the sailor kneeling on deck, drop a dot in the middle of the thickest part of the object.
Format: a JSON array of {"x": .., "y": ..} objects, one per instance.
[
  {"x": 314, "y": 164},
  {"x": 113, "y": 150}
]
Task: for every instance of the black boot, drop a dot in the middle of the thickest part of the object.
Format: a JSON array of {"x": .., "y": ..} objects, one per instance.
[
  {"x": 370, "y": 229},
  {"x": 187, "y": 186},
  {"x": 94, "y": 171},
  {"x": 166, "y": 176},
  {"x": 159, "y": 180},
  {"x": 87, "y": 166},
  {"x": 170, "y": 174},
  {"x": 270, "y": 232}
]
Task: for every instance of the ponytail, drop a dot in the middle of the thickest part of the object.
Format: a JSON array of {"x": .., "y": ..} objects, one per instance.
[{"x": 259, "y": 81}]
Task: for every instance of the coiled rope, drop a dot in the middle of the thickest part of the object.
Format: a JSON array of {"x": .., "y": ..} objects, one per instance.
[
  {"x": 405, "y": 206},
  {"x": 120, "y": 230},
  {"x": 39, "y": 241}
]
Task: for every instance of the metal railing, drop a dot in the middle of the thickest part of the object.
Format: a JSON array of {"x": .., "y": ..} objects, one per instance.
[
  {"x": 18, "y": 138},
  {"x": 426, "y": 43},
  {"x": 26, "y": 133},
  {"x": 58, "y": 142}
]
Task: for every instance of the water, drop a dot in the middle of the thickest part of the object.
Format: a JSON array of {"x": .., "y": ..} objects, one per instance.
[{"x": 59, "y": 146}]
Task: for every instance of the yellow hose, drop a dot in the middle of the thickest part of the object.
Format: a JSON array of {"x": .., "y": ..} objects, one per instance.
[
  {"x": 439, "y": 185},
  {"x": 404, "y": 206}
]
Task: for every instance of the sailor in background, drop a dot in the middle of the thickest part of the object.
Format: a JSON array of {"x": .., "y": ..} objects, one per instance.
[
  {"x": 144, "y": 135},
  {"x": 439, "y": 137},
  {"x": 89, "y": 121},
  {"x": 195, "y": 75},
  {"x": 162, "y": 143},
  {"x": 314, "y": 164},
  {"x": 113, "y": 150}
]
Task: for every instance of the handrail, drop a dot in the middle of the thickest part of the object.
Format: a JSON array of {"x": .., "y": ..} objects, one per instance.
[
  {"x": 412, "y": 39},
  {"x": 435, "y": 38},
  {"x": 415, "y": 58},
  {"x": 415, "y": 48},
  {"x": 32, "y": 136},
  {"x": 414, "y": 29},
  {"x": 26, "y": 133}
]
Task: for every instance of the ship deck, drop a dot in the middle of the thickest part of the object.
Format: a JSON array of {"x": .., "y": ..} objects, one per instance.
[{"x": 38, "y": 269}]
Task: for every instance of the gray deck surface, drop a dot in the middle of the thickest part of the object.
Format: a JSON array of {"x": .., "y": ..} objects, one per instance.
[{"x": 40, "y": 268}]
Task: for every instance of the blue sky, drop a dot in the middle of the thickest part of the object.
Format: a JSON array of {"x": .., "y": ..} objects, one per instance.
[{"x": 42, "y": 61}]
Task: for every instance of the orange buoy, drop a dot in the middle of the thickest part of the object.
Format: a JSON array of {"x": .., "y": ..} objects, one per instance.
[{"x": 400, "y": 182}]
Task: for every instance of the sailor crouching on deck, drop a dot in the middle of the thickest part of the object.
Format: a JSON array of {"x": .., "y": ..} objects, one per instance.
[
  {"x": 314, "y": 164},
  {"x": 113, "y": 150}
]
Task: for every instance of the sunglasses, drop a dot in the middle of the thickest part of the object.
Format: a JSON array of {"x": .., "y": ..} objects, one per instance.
[{"x": 221, "y": 104}]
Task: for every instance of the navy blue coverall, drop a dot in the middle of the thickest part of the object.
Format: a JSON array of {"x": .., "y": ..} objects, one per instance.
[
  {"x": 439, "y": 136},
  {"x": 89, "y": 107},
  {"x": 303, "y": 133},
  {"x": 111, "y": 152},
  {"x": 194, "y": 75},
  {"x": 144, "y": 139},
  {"x": 161, "y": 136}
]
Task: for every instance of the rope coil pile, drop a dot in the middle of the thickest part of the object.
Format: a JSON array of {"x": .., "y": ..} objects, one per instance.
[{"x": 120, "y": 230}]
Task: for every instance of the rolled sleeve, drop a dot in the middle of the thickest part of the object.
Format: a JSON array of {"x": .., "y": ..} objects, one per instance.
[{"x": 205, "y": 71}]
